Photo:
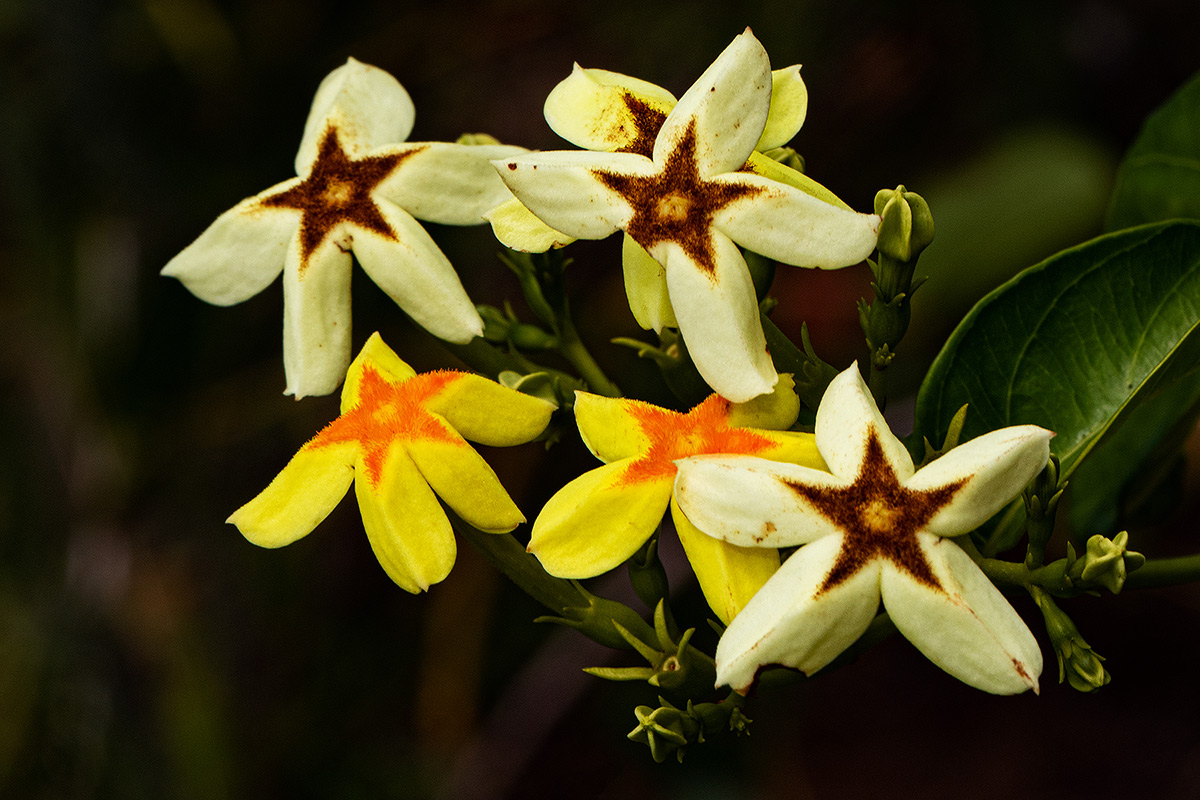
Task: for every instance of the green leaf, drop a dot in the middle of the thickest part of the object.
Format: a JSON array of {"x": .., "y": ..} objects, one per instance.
[
  {"x": 1075, "y": 343},
  {"x": 1160, "y": 176}
]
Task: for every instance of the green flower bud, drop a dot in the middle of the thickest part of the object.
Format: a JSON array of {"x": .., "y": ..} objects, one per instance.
[
  {"x": 786, "y": 156},
  {"x": 477, "y": 138},
  {"x": 1107, "y": 562},
  {"x": 907, "y": 226},
  {"x": 647, "y": 574},
  {"x": 1078, "y": 664},
  {"x": 495, "y": 323},
  {"x": 530, "y": 337},
  {"x": 665, "y": 730}
]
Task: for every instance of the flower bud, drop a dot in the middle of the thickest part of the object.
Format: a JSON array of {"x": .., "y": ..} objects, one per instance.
[
  {"x": 907, "y": 226},
  {"x": 1107, "y": 562},
  {"x": 665, "y": 730},
  {"x": 1078, "y": 664}
]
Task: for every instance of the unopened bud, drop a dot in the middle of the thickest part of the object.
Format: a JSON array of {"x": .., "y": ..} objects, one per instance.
[
  {"x": 907, "y": 226},
  {"x": 665, "y": 730},
  {"x": 1078, "y": 663},
  {"x": 1107, "y": 561}
]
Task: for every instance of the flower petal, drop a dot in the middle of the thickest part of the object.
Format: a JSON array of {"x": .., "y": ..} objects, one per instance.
[
  {"x": 519, "y": 229},
  {"x": 316, "y": 318},
  {"x": 486, "y": 412},
  {"x": 646, "y": 287},
  {"x": 728, "y": 104},
  {"x": 845, "y": 418},
  {"x": 789, "y": 106},
  {"x": 596, "y": 522},
  {"x": 562, "y": 189},
  {"x": 609, "y": 427},
  {"x": 600, "y": 110},
  {"x": 728, "y": 575},
  {"x": 465, "y": 482},
  {"x": 776, "y": 411},
  {"x": 451, "y": 184},
  {"x": 790, "y": 624},
  {"x": 770, "y": 168},
  {"x": 969, "y": 629},
  {"x": 415, "y": 273},
  {"x": 239, "y": 254},
  {"x": 368, "y": 107},
  {"x": 405, "y": 524},
  {"x": 786, "y": 224},
  {"x": 300, "y": 496},
  {"x": 382, "y": 359},
  {"x": 718, "y": 317},
  {"x": 747, "y": 500},
  {"x": 995, "y": 466}
]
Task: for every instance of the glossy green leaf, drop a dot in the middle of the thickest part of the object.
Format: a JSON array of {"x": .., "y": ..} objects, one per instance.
[
  {"x": 1075, "y": 343},
  {"x": 1160, "y": 176}
]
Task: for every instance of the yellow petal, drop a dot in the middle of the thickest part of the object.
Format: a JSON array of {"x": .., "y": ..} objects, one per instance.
[
  {"x": 600, "y": 110},
  {"x": 383, "y": 359},
  {"x": 466, "y": 483},
  {"x": 776, "y": 410},
  {"x": 789, "y": 106},
  {"x": 405, "y": 524},
  {"x": 608, "y": 427},
  {"x": 486, "y": 412},
  {"x": 594, "y": 522},
  {"x": 729, "y": 575},
  {"x": 770, "y": 168},
  {"x": 301, "y": 495},
  {"x": 517, "y": 228},
  {"x": 793, "y": 447},
  {"x": 646, "y": 287}
]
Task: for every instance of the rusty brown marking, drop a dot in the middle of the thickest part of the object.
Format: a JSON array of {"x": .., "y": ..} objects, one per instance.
[
  {"x": 647, "y": 122},
  {"x": 676, "y": 205},
  {"x": 880, "y": 518},
  {"x": 337, "y": 190}
]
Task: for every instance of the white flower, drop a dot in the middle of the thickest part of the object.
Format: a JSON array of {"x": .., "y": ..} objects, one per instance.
[
  {"x": 358, "y": 192},
  {"x": 689, "y": 202},
  {"x": 872, "y": 528}
]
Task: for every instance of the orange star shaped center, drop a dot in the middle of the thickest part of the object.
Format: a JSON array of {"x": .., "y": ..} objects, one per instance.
[
  {"x": 879, "y": 517},
  {"x": 338, "y": 190},
  {"x": 388, "y": 412},
  {"x": 702, "y": 431},
  {"x": 676, "y": 204}
]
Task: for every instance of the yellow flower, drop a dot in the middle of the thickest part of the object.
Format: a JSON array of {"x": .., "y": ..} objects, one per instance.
[
  {"x": 400, "y": 439},
  {"x": 601, "y": 518}
]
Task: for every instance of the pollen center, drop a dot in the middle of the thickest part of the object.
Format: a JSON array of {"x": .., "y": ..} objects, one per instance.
[
  {"x": 673, "y": 208},
  {"x": 880, "y": 515},
  {"x": 338, "y": 193}
]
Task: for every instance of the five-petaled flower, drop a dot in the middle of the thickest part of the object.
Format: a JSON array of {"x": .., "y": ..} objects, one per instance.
[
  {"x": 601, "y": 518},
  {"x": 400, "y": 439},
  {"x": 687, "y": 199},
  {"x": 358, "y": 191},
  {"x": 872, "y": 528}
]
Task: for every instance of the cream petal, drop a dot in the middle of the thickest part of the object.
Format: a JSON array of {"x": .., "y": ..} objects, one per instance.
[
  {"x": 465, "y": 482},
  {"x": 747, "y": 500},
  {"x": 789, "y": 225},
  {"x": 405, "y": 524},
  {"x": 240, "y": 253},
  {"x": 316, "y": 317},
  {"x": 995, "y": 466},
  {"x": 590, "y": 108},
  {"x": 646, "y": 287},
  {"x": 967, "y": 627},
  {"x": 789, "y": 623},
  {"x": 718, "y": 317},
  {"x": 728, "y": 575},
  {"x": 416, "y": 274},
  {"x": 450, "y": 184},
  {"x": 846, "y": 416},
  {"x": 729, "y": 104},
  {"x": 300, "y": 496},
  {"x": 368, "y": 107},
  {"x": 562, "y": 189},
  {"x": 597, "y": 521},
  {"x": 789, "y": 106},
  {"x": 518, "y": 228}
]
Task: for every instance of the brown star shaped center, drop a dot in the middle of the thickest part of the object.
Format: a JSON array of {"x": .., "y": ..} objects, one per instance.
[
  {"x": 880, "y": 518},
  {"x": 676, "y": 204},
  {"x": 338, "y": 190}
]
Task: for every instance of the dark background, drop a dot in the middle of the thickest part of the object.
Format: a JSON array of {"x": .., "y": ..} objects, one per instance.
[{"x": 147, "y": 650}]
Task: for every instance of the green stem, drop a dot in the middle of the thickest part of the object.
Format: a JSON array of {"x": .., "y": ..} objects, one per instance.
[
  {"x": 1165, "y": 572},
  {"x": 522, "y": 568},
  {"x": 574, "y": 351}
]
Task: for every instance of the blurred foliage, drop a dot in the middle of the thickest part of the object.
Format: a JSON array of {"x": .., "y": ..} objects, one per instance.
[{"x": 147, "y": 651}]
